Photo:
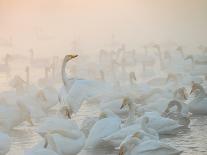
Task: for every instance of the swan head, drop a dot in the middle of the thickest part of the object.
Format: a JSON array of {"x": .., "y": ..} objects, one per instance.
[
  {"x": 172, "y": 104},
  {"x": 25, "y": 112},
  {"x": 126, "y": 101},
  {"x": 157, "y": 46},
  {"x": 179, "y": 48},
  {"x": 17, "y": 81},
  {"x": 69, "y": 57},
  {"x": 195, "y": 86},
  {"x": 136, "y": 135},
  {"x": 182, "y": 92},
  {"x": 145, "y": 119},
  {"x": 41, "y": 95},
  {"x": 172, "y": 77},
  {"x": 66, "y": 112},
  {"x": 107, "y": 113},
  {"x": 132, "y": 76},
  {"x": 129, "y": 144}
]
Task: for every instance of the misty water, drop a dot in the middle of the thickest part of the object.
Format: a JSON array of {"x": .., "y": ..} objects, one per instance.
[{"x": 191, "y": 141}]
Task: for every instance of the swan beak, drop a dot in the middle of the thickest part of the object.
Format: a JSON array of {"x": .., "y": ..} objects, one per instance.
[
  {"x": 41, "y": 95},
  {"x": 29, "y": 120},
  {"x": 191, "y": 91},
  {"x": 68, "y": 114},
  {"x": 136, "y": 135},
  {"x": 125, "y": 102},
  {"x": 184, "y": 95},
  {"x": 74, "y": 56},
  {"x": 123, "y": 105},
  {"x": 122, "y": 150}
]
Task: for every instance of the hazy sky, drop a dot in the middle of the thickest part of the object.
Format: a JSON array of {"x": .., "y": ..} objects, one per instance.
[{"x": 51, "y": 25}]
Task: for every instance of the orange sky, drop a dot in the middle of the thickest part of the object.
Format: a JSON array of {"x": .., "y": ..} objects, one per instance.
[{"x": 94, "y": 21}]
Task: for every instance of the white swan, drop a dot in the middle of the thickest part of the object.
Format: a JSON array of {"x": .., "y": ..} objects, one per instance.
[
  {"x": 183, "y": 119},
  {"x": 102, "y": 128},
  {"x": 132, "y": 109},
  {"x": 199, "y": 104},
  {"x": 135, "y": 145},
  {"x": 11, "y": 116},
  {"x": 62, "y": 134},
  {"x": 161, "y": 124},
  {"x": 5, "y": 68},
  {"x": 75, "y": 91},
  {"x": 116, "y": 138},
  {"x": 5, "y": 143},
  {"x": 37, "y": 62}
]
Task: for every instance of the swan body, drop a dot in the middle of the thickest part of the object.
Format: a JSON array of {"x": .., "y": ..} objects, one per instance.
[
  {"x": 62, "y": 134},
  {"x": 5, "y": 68},
  {"x": 161, "y": 124},
  {"x": 11, "y": 116},
  {"x": 182, "y": 118},
  {"x": 116, "y": 138},
  {"x": 5, "y": 143},
  {"x": 101, "y": 129},
  {"x": 75, "y": 91},
  {"x": 136, "y": 145},
  {"x": 87, "y": 124},
  {"x": 199, "y": 104}
]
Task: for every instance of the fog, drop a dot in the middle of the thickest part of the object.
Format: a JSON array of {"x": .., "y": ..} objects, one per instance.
[{"x": 52, "y": 27}]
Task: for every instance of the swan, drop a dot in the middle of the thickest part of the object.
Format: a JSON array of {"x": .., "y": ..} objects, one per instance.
[
  {"x": 135, "y": 145},
  {"x": 197, "y": 59},
  {"x": 161, "y": 124},
  {"x": 132, "y": 109},
  {"x": 45, "y": 81},
  {"x": 5, "y": 143},
  {"x": 87, "y": 124},
  {"x": 116, "y": 138},
  {"x": 199, "y": 104},
  {"x": 183, "y": 119},
  {"x": 63, "y": 133},
  {"x": 157, "y": 98},
  {"x": 11, "y": 116},
  {"x": 49, "y": 96},
  {"x": 38, "y": 63},
  {"x": 102, "y": 128},
  {"x": 75, "y": 91},
  {"x": 5, "y": 68}
]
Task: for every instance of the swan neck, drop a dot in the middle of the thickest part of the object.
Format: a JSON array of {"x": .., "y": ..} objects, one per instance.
[
  {"x": 132, "y": 112},
  {"x": 143, "y": 126},
  {"x": 49, "y": 140},
  {"x": 27, "y": 77},
  {"x": 31, "y": 56},
  {"x": 46, "y": 73},
  {"x": 63, "y": 72}
]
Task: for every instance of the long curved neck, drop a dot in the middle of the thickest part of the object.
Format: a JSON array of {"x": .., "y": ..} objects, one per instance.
[
  {"x": 144, "y": 126},
  {"x": 160, "y": 58},
  {"x": 31, "y": 56},
  {"x": 49, "y": 140},
  {"x": 131, "y": 79},
  {"x": 132, "y": 109},
  {"x": 7, "y": 60},
  {"x": 27, "y": 77},
  {"x": 178, "y": 106},
  {"x": 63, "y": 72},
  {"x": 46, "y": 73}
]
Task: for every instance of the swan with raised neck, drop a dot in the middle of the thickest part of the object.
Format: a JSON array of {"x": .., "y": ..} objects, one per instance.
[
  {"x": 132, "y": 110},
  {"x": 63, "y": 72}
]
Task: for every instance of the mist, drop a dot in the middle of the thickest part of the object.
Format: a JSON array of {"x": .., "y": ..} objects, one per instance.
[{"x": 54, "y": 27}]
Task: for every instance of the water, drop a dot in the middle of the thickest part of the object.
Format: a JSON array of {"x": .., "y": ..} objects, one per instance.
[{"x": 191, "y": 142}]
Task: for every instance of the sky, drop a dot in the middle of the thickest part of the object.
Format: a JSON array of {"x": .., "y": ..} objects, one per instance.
[{"x": 51, "y": 26}]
